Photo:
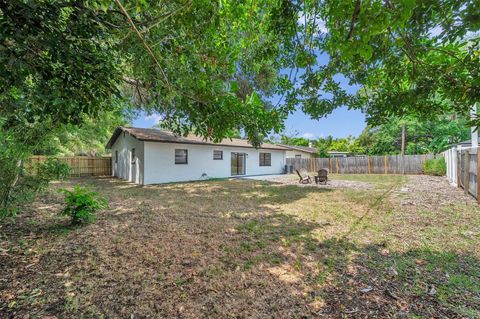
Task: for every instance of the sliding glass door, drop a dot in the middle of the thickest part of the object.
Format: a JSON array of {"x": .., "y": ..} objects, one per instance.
[{"x": 238, "y": 163}]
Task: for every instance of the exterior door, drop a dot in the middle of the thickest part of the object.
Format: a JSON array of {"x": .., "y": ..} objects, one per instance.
[{"x": 238, "y": 163}]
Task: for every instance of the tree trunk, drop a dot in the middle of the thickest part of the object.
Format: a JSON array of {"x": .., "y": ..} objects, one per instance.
[
  {"x": 403, "y": 139},
  {"x": 9, "y": 188}
]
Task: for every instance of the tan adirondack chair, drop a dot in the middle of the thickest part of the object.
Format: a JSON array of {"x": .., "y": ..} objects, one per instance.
[{"x": 304, "y": 177}]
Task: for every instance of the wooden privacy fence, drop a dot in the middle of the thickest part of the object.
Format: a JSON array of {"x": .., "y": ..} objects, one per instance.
[
  {"x": 390, "y": 164},
  {"x": 82, "y": 165},
  {"x": 463, "y": 169}
]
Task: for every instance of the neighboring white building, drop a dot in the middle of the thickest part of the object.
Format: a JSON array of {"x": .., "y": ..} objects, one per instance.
[
  {"x": 294, "y": 151},
  {"x": 150, "y": 156},
  {"x": 335, "y": 154}
]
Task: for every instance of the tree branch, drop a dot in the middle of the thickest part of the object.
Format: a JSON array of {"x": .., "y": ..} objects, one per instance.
[
  {"x": 168, "y": 15},
  {"x": 134, "y": 27},
  {"x": 356, "y": 12}
]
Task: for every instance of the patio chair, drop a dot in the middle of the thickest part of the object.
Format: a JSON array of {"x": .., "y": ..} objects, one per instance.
[
  {"x": 304, "y": 177},
  {"x": 322, "y": 177}
]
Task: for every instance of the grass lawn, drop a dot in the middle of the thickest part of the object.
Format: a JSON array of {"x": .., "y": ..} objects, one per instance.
[{"x": 248, "y": 249}]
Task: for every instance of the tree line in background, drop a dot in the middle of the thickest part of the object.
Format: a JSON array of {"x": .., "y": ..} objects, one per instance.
[{"x": 421, "y": 137}]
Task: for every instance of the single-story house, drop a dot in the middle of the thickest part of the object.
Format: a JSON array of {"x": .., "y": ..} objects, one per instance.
[
  {"x": 294, "y": 151},
  {"x": 151, "y": 156}
]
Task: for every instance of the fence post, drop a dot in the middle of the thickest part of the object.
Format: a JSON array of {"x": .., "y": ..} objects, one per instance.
[
  {"x": 330, "y": 165},
  {"x": 369, "y": 165},
  {"x": 336, "y": 161},
  {"x": 459, "y": 168},
  {"x": 467, "y": 172},
  {"x": 385, "y": 163}
]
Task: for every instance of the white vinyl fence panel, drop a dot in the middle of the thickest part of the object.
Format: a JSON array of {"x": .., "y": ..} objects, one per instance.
[{"x": 463, "y": 169}]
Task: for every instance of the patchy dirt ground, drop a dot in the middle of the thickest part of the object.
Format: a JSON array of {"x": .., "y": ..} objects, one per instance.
[
  {"x": 331, "y": 183},
  {"x": 429, "y": 211},
  {"x": 247, "y": 249},
  {"x": 430, "y": 192}
]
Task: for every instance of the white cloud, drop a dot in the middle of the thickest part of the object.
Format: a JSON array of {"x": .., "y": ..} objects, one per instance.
[
  {"x": 320, "y": 24},
  {"x": 322, "y": 27},
  {"x": 308, "y": 135},
  {"x": 155, "y": 117}
]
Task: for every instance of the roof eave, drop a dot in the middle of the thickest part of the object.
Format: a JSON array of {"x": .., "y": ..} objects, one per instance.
[
  {"x": 298, "y": 149},
  {"x": 114, "y": 137},
  {"x": 121, "y": 129},
  {"x": 210, "y": 144}
]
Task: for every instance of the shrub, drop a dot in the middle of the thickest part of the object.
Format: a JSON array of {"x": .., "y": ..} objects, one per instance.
[
  {"x": 53, "y": 169},
  {"x": 436, "y": 166},
  {"x": 82, "y": 203},
  {"x": 20, "y": 181}
]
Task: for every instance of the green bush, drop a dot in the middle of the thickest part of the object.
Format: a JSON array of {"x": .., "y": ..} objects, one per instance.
[
  {"x": 436, "y": 166},
  {"x": 82, "y": 203},
  {"x": 53, "y": 169},
  {"x": 20, "y": 180}
]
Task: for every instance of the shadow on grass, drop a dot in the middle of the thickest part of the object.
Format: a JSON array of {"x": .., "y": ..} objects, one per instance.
[
  {"x": 219, "y": 249},
  {"x": 341, "y": 278},
  {"x": 216, "y": 193}
]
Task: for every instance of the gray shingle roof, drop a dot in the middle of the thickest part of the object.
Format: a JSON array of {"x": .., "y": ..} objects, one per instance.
[
  {"x": 300, "y": 148},
  {"x": 155, "y": 135}
]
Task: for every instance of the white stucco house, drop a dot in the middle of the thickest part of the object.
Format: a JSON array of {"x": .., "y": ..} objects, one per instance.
[{"x": 150, "y": 156}]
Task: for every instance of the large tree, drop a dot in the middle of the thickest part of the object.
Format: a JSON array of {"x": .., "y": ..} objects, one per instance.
[
  {"x": 207, "y": 66},
  {"x": 415, "y": 57},
  {"x": 422, "y": 137}
]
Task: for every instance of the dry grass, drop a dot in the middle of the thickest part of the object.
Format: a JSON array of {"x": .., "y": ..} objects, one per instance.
[{"x": 242, "y": 249}]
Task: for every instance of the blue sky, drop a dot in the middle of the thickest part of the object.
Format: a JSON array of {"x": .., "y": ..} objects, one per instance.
[{"x": 340, "y": 123}]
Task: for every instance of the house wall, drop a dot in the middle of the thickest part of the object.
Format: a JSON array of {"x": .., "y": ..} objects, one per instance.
[
  {"x": 292, "y": 153},
  {"x": 160, "y": 164},
  {"x": 123, "y": 167}
]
